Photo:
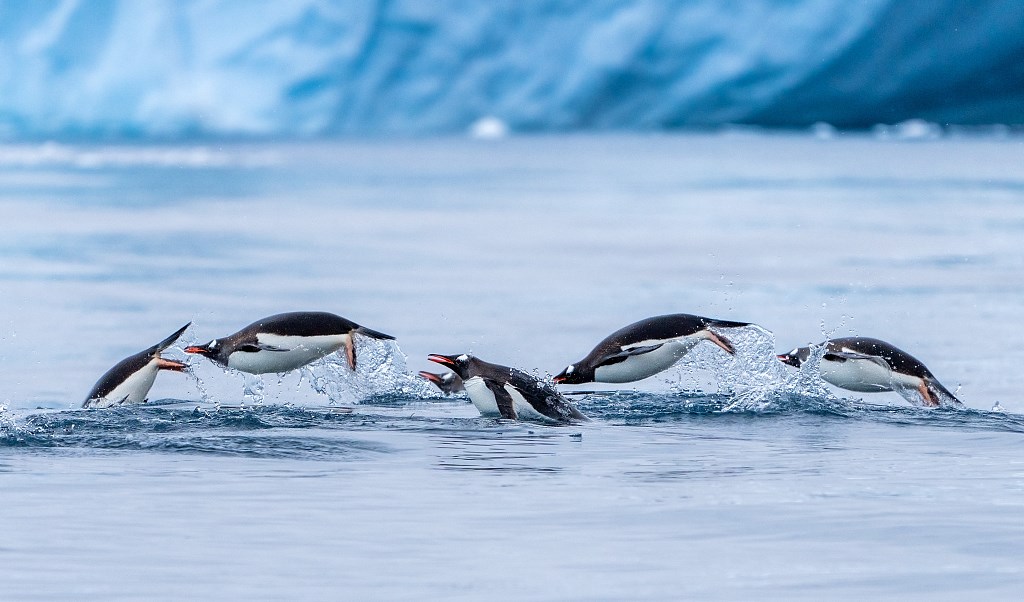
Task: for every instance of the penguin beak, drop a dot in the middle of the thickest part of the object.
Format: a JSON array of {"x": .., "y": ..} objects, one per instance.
[
  {"x": 200, "y": 349},
  {"x": 445, "y": 360},
  {"x": 165, "y": 364},
  {"x": 559, "y": 379},
  {"x": 434, "y": 378},
  {"x": 788, "y": 360}
]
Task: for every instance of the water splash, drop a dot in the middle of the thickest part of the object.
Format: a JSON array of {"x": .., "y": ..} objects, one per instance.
[
  {"x": 753, "y": 379},
  {"x": 380, "y": 370},
  {"x": 254, "y": 387}
]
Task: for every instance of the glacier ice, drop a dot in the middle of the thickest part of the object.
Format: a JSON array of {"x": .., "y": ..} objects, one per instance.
[{"x": 179, "y": 68}]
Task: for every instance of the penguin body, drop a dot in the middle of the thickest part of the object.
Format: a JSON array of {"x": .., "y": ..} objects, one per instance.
[
  {"x": 502, "y": 392},
  {"x": 869, "y": 365},
  {"x": 130, "y": 380},
  {"x": 285, "y": 342},
  {"x": 646, "y": 348}
]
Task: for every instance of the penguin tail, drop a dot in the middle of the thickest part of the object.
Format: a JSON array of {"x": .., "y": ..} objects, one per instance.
[
  {"x": 725, "y": 324},
  {"x": 373, "y": 334},
  {"x": 164, "y": 344},
  {"x": 940, "y": 395}
]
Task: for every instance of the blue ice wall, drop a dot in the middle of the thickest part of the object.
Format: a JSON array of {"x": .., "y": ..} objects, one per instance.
[{"x": 235, "y": 67}]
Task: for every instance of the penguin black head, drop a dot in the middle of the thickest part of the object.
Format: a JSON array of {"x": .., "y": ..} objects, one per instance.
[
  {"x": 459, "y": 364},
  {"x": 448, "y": 383},
  {"x": 795, "y": 357},
  {"x": 212, "y": 350},
  {"x": 575, "y": 375}
]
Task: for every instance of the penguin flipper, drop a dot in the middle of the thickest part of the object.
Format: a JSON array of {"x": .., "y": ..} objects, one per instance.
[
  {"x": 843, "y": 356},
  {"x": 256, "y": 347},
  {"x": 506, "y": 407},
  {"x": 622, "y": 355}
]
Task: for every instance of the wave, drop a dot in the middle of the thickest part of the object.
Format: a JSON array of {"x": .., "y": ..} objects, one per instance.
[{"x": 284, "y": 431}]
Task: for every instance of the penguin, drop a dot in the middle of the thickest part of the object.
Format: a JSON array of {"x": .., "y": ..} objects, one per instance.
[
  {"x": 284, "y": 342},
  {"x": 130, "y": 380},
  {"x": 869, "y": 365},
  {"x": 449, "y": 383},
  {"x": 645, "y": 348},
  {"x": 503, "y": 392}
]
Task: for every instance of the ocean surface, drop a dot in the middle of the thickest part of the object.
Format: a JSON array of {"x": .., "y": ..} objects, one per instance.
[{"x": 723, "y": 478}]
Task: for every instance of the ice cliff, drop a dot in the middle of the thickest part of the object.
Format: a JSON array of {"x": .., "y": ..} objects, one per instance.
[{"x": 239, "y": 68}]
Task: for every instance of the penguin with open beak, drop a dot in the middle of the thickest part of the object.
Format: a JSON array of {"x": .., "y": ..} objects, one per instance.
[
  {"x": 130, "y": 380},
  {"x": 285, "y": 342},
  {"x": 450, "y": 383},
  {"x": 646, "y": 348},
  {"x": 869, "y": 365},
  {"x": 503, "y": 392}
]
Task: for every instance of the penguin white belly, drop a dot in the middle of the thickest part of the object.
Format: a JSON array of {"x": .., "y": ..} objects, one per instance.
[
  {"x": 134, "y": 389},
  {"x": 865, "y": 376},
  {"x": 297, "y": 352},
  {"x": 639, "y": 367},
  {"x": 482, "y": 397},
  {"x": 524, "y": 411}
]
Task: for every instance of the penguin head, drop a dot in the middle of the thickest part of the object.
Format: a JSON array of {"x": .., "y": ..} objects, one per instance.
[
  {"x": 795, "y": 357},
  {"x": 212, "y": 350},
  {"x": 448, "y": 382},
  {"x": 459, "y": 364},
  {"x": 575, "y": 374}
]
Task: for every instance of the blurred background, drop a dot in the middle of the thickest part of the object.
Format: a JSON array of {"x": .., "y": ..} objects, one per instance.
[{"x": 226, "y": 68}]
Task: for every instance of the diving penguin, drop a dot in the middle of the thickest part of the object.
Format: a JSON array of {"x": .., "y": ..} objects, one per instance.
[
  {"x": 285, "y": 342},
  {"x": 130, "y": 380},
  {"x": 503, "y": 392},
  {"x": 869, "y": 365},
  {"x": 646, "y": 348}
]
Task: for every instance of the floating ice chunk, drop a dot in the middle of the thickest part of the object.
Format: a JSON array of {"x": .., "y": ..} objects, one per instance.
[
  {"x": 911, "y": 129},
  {"x": 488, "y": 128},
  {"x": 824, "y": 131}
]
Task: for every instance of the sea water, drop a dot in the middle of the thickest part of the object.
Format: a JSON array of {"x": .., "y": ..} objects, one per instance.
[{"x": 725, "y": 477}]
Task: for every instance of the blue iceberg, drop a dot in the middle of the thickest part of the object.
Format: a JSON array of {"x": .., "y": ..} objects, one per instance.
[{"x": 169, "y": 68}]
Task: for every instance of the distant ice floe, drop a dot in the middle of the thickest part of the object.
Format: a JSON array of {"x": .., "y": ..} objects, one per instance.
[
  {"x": 488, "y": 128},
  {"x": 52, "y": 154},
  {"x": 910, "y": 130}
]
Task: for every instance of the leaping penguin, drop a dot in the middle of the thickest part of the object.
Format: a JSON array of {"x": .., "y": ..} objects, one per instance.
[
  {"x": 285, "y": 342},
  {"x": 646, "y": 348},
  {"x": 449, "y": 383},
  {"x": 500, "y": 391},
  {"x": 130, "y": 380},
  {"x": 869, "y": 365}
]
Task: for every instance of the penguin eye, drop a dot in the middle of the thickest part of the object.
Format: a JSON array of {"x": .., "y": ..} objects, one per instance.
[{"x": 570, "y": 369}]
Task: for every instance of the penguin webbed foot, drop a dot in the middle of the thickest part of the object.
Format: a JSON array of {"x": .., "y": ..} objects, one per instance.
[{"x": 722, "y": 342}]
